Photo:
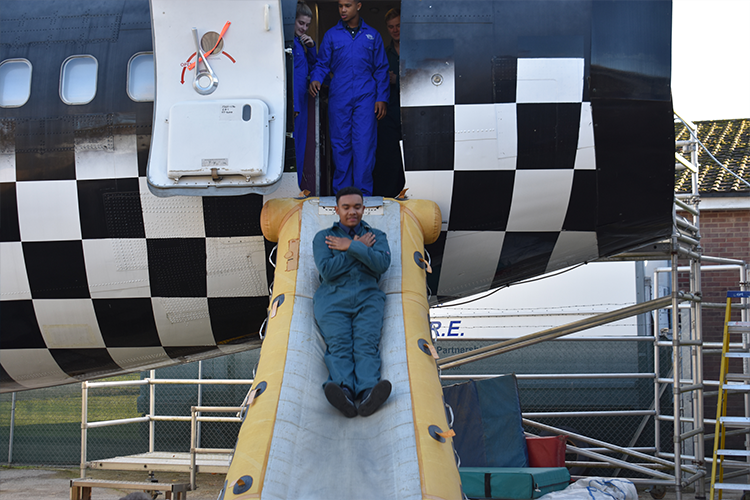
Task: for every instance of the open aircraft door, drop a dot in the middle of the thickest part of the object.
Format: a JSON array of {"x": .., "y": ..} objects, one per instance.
[{"x": 220, "y": 105}]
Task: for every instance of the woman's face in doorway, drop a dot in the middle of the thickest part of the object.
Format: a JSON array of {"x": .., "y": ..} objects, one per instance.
[{"x": 301, "y": 25}]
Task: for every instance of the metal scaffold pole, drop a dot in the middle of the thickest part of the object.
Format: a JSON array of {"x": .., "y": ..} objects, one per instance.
[
  {"x": 676, "y": 372},
  {"x": 12, "y": 427}
]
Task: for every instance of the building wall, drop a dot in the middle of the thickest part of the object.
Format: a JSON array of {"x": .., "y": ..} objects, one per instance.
[{"x": 724, "y": 233}]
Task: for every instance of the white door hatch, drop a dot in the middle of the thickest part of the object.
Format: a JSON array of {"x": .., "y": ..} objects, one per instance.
[{"x": 220, "y": 99}]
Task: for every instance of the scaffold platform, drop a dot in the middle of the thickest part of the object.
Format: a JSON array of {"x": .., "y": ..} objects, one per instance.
[{"x": 164, "y": 461}]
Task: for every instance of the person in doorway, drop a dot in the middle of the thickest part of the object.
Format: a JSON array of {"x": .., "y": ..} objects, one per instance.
[
  {"x": 354, "y": 53},
  {"x": 304, "y": 60},
  {"x": 348, "y": 306},
  {"x": 388, "y": 174}
]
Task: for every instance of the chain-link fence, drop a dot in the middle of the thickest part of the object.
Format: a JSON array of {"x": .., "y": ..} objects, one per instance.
[
  {"x": 47, "y": 426},
  {"x": 47, "y": 422}
]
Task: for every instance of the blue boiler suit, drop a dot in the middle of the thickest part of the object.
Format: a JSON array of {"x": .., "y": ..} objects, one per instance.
[
  {"x": 348, "y": 306},
  {"x": 304, "y": 61},
  {"x": 360, "y": 79}
]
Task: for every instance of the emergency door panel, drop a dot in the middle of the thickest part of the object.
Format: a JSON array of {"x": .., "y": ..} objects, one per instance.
[
  {"x": 220, "y": 100},
  {"x": 244, "y": 120}
]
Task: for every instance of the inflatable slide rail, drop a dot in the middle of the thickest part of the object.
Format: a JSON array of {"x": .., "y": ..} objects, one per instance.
[{"x": 293, "y": 444}]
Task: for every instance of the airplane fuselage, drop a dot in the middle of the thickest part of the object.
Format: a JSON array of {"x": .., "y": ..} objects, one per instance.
[{"x": 543, "y": 130}]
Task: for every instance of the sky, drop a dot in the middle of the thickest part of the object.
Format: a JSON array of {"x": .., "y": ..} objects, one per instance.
[{"x": 711, "y": 59}]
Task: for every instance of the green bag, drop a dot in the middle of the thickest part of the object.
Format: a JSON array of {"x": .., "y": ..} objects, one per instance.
[{"x": 512, "y": 483}]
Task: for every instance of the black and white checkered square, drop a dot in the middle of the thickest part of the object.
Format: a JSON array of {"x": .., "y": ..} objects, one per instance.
[
  {"x": 511, "y": 177},
  {"x": 98, "y": 275}
]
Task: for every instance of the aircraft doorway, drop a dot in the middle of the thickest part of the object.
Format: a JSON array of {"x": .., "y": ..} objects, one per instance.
[{"x": 388, "y": 171}]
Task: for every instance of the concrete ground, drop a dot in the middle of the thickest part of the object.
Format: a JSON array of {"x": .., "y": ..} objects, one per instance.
[
  {"x": 29, "y": 483},
  {"x": 35, "y": 483}
]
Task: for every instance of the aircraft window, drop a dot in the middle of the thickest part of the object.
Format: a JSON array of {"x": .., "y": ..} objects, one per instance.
[
  {"x": 141, "y": 81},
  {"x": 15, "y": 82},
  {"x": 78, "y": 79}
]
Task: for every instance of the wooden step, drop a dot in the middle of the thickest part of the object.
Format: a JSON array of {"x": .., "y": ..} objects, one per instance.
[
  {"x": 80, "y": 489},
  {"x": 735, "y": 421}
]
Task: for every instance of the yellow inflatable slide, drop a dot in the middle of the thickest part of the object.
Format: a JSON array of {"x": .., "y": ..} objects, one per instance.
[{"x": 293, "y": 444}]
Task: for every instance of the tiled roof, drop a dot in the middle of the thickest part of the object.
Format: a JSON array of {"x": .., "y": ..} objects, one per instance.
[{"x": 729, "y": 142}]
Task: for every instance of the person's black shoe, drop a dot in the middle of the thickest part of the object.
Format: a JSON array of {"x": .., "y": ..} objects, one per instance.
[
  {"x": 374, "y": 398},
  {"x": 341, "y": 399}
]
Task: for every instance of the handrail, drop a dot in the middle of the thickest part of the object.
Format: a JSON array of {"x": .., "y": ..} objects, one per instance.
[
  {"x": 551, "y": 333},
  {"x": 119, "y": 421},
  {"x": 194, "y": 419},
  {"x": 150, "y": 417}
]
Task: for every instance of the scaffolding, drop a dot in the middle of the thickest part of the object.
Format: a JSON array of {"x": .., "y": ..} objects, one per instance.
[{"x": 685, "y": 464}]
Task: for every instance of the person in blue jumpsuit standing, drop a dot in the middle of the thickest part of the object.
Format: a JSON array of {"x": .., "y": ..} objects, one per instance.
[
  {"x": 354, "y": 53},
  {"x": 304, "y": 60},
  {"x": 348, "y": 306}
]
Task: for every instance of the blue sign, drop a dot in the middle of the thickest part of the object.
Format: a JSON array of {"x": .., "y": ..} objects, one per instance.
[{"x": 450, "y": 331}]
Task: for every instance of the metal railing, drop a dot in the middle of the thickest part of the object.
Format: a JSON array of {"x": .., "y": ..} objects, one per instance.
[
  {"x": 195, "y": 418},
  {"x": 553, "y": 333}
]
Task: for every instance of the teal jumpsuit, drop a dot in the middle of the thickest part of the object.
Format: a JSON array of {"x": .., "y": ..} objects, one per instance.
[{"x": 348, "y": 306}]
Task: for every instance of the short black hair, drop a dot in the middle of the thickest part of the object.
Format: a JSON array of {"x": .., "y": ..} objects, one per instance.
[{"x": 348, "y": 190}]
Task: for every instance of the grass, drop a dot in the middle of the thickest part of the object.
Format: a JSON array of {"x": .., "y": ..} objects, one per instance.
[
  {"x": 68, "y": 410},
  {"x": 60, "y": 405}
]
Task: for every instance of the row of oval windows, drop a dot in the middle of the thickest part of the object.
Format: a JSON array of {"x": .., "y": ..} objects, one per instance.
[{"x": 78, "y": 76}]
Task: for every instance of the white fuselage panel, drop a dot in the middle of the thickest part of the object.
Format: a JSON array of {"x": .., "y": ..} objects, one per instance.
[{"x": 226, "y": 137}]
